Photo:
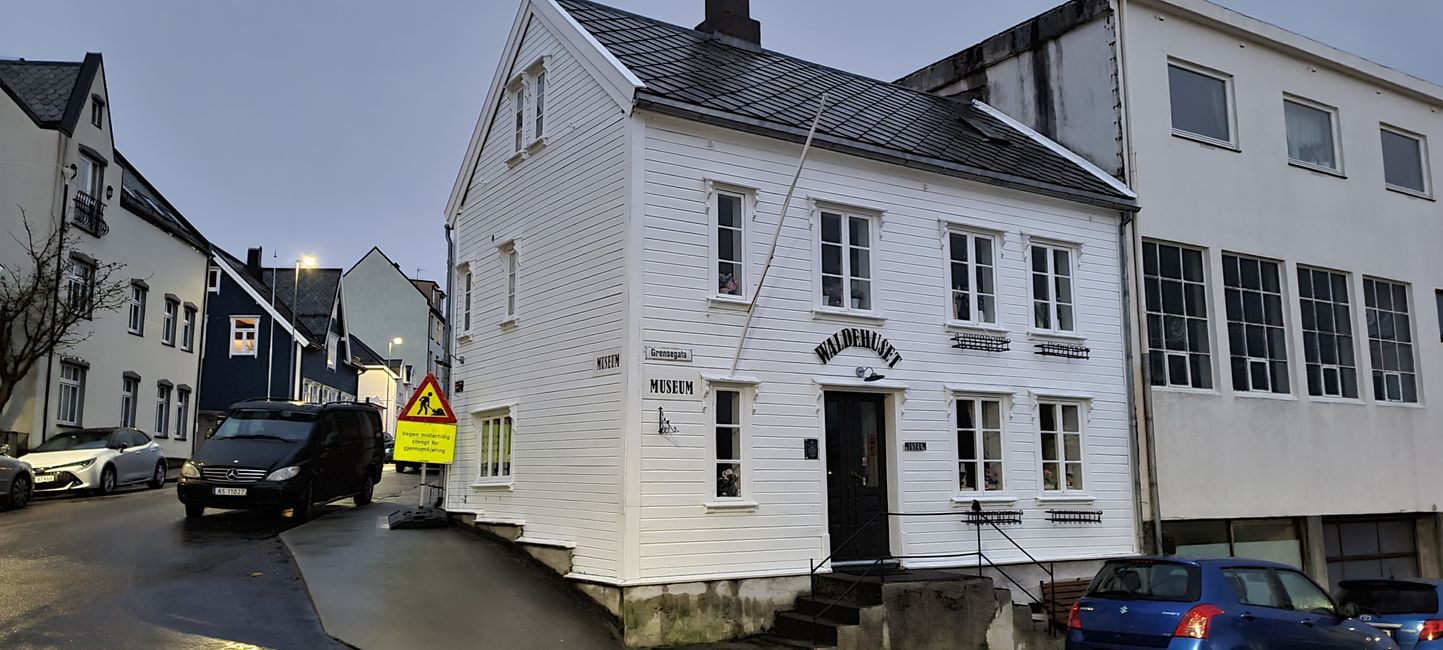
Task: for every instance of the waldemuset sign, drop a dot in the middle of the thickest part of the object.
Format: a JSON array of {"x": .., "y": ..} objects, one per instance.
[{"x": 859, "y": 338}]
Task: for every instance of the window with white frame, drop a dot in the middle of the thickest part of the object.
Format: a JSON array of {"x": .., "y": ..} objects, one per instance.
[
  {"x": 71, "y": 406},
  {"x": 846, "y": 261},
  {"x": 972, "y": 272},
  {"x": 244, "y": 332},
  {"x": 1312, "y": 133},
  {"x": 979, "y": 444},
  {"x": 168, "y": 321},
  {"x": 212, "y": 280},
  {"x": 1327, "y": 321},
  {"x": 508, "y": 255},
  {"x": 1201, "y": 102},
  {"x": 1060, "y": 424},
  {"x": 162, "y": 408},
  {"x": 518, "y": 109},
  {"x": 182, "y": 412},
  {"x": 728, "y": 443},
  {"x": 333, "y": 345},
  {"x": 80, "y": 286},
  {"x": 1177, "y": 316},
  {"x": 1405, "y": 160},
  {"x": 466, "y": 303},
  {"x": 1257, "y": 338},
  {"x": 136, "y": 324},
  {"x": 730, "y": 244},
  {"x": 129, "y": 394},
  {"x": 1390, "y": 341},
  {"x": 187, "y": 329},
  {"x": 1052, "y": 307},
  {"x": 538, "y": 84},
  {"x": 97, "y": 112},
  {"x": 494, "y": 433}
]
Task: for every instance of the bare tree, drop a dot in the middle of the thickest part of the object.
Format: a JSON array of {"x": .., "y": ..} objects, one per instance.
[{"x": 42, "y": 306}]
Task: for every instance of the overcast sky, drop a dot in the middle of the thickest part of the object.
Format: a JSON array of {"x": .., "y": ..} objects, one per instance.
[{"x": 329, "y": 126}]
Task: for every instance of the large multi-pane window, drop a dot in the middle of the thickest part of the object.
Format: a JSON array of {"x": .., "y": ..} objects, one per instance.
[
  {"x": 1257, "y": 339},
  {"x": 972, "y": 271},
  {"x": 494, "y": 439},
  {"x": 136, "y": 324},
  {"x": 162, "y": 408},
  {"x": 730, "y": 244},
  {"x": 846, "y": 242},
  {"x": 129, "y": 393},
  {"x": 1200, "y": 103},
  {"x": 979, "y": 444},
  {"x": 728, "y": 443},
  {"x": 1052, "y": 307},
  {"x": 1327, "y": 333},
  {"x": 72, "y": 394},
  {"x": 1370, "y": 549},
  {"x": 1390, "y": 341},
  {"x": 1179, "y": 352},
  {"x": 1060, "y": 424}
]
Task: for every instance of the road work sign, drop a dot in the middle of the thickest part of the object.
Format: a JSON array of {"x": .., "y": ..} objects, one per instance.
[{"x": 426, "y": 428}]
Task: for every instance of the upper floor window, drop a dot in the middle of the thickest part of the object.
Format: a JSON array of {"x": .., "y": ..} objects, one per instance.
[
  {"x": 466, "y": 304},
  {"x": 972, "y": 271},
  {"x": 136, "y": 324},
  {"x": 71, "y": 406},
  {"x": 1438, "y": 297},
  {"x": 97, "y": 112},
  {"x": 847, "y": 263},
  {"x": 244, "y": 331},
  {"x": 1312, "y": 137},
  {"x": 90, "y": 176},
  {"x": 539, "y": 84},
  {"x": 518, "y": 109},
  {"x": 1052, "y": 274},
  {"x": 1201, "y": 102},
  {"x": 730, "y": 244},
  {"x": 979, "y": 444},
  {"x": 168, "y": 321},
  {"x": 1060, "y": 425},
  {"x": 187, "y": 329},
  {"x": 212, "y": 280},
  {"x": 333, "y": 345},
  {"x": 1390, "y": 341},
  {"x": 80, "y": 286},
  {"x": 1179, "y": 353},
  {"x": 1405, "y": 160},
  {"x": 508, "y": 255},
  {"x": 1257, "y": 339},
  {"x": 1327, "y": 333}
]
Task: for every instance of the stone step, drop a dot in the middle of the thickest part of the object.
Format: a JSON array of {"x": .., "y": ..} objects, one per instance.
[
  {"x": 863, "y": 591},
  {"x": 842, "y": 611},
  {"x": 800, "y": 627}
]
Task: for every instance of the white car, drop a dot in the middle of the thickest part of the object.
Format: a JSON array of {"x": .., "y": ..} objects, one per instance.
[{"x": 98, "y": 460}]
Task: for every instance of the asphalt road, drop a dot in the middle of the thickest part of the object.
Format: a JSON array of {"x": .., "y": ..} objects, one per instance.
[{"x": 130, "y": 571}]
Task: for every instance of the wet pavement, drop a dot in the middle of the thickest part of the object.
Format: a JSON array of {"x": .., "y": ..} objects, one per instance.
[{"x": 130, "y": 571}]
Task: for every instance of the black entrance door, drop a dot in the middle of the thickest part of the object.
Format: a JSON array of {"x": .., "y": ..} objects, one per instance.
[{"x": 857, "y": 476}]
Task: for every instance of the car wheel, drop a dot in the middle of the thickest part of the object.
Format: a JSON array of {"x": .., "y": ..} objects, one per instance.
[
  {"x": 303, "y": 509},
  {"x": 368, "y": 491},
  {"x": 157, "y": 480},
  {"x": 107, "y": 481},
  {"x": 19, "y": 493},
  {"x": 194, "y": 511}
]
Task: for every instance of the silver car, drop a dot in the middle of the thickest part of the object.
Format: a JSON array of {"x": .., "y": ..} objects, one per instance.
[
  {"x": 98, "y": 460},
  {"x": 17, "y": 482}
]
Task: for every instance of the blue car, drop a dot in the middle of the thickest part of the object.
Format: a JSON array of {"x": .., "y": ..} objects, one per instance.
[
  {"x": 1406, "y": 609},
  {"x": 1214, "y": 604}
]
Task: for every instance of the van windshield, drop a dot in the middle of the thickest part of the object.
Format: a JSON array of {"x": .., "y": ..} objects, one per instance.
[
  {"x": 290, "y": 426},
  {"x": 1147, "y": 580}
]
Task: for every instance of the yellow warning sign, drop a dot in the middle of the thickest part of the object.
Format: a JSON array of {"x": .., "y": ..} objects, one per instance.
[
  {"x": 426, "y": 428},
  {"x": 428, "y": 404}
]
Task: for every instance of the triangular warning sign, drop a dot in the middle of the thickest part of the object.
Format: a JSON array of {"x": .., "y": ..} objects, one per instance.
[{"x": 428, "y": 404}]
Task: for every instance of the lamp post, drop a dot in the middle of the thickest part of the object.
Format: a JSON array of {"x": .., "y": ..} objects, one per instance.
[{"x": 303, "y": 262}]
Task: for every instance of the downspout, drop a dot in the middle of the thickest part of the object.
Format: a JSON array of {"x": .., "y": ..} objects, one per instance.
[
  {"x": 446, "y": 347},
  {"x": 60, "y": 148},
  {"x": 199, "y": 346}
]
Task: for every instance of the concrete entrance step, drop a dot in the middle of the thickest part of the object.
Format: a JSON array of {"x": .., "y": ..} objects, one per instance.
[
  {"x": 843, "y": 611},
  {"x": 803, "y": 627}
]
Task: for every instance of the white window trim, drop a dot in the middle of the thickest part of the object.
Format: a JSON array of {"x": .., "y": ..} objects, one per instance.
[
  {"x": 182, "y": 413},
  {"x": 133, "y": 305},
  {"x": 516, "y": 96},
  {"x": 466, "y": 306},
  {"x": 874, "y": 229},
  {"x": 212, "y": 279},
  {"x": 1062, "y": 493},
  {"x": 510, "y": 287},
  {"x": 164, "y": 393},
  {"x": 333, "y": 350},
  {"x": 1227, "y": 79},
  {"x": 494, "y": 413},
  {"x": 255, "y": 350},
  {"x": 79, "y": 386},
  {"x": 1354, "y": 292},
  {"x": 1004, "y": 408},
  {"x": 746, "y": 392},
  {"x": 1423, "y": 161},
  {"x": 1334, "y": 122},
  {"x": 971, "y": 234},
  {"x": 1207, "y": 284},
  {"x": 748, "y": 198},
  {"x": 188, "y": 318},
  {"x": 169, "y": 314},
  {"x": 1414, "y": 343},
  {"x": 129, "y": 400},
  {"x": 1073, "y": 258},
  {"x": 538, "y": 108},
  {"x": 1287, "y": 326}
]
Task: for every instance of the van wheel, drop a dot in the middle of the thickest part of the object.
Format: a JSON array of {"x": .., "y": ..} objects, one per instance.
[
  {"x": 194, "y": 511},
  {"x": 157, "y": 480},
  {"x": 368, "y": 491},
  {"x": 304, "y": 508}
]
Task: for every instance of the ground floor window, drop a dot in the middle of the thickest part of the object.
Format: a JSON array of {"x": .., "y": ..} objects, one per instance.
[
  {"x": 1274, "y": 540},
  {"x": 1061, "y": 427},
  {"x": 72, "y": 393},
  {"x": 728, "y": 444},
  {"x": 979, "y": 444},
  {"x": 1386, "y": 548},
  {"x": 494, "y": 441}
]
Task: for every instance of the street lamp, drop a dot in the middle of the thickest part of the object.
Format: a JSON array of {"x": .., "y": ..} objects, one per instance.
[
  {"x": 305, "y": 261},
  {"x": 392, "y": 343}
]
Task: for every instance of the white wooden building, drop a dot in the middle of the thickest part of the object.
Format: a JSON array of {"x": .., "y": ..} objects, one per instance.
[{"x": 613, "y": 219}]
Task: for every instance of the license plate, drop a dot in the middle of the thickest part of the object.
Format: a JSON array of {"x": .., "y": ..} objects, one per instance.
[
  {"x": 229, "y": 492},
  {"x": 44, "y": 478}
]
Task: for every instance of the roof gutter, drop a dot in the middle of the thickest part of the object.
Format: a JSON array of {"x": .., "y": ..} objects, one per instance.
[{"x": 648, "y": 101}]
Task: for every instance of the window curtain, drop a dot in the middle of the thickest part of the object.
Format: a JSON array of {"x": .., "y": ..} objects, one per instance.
[{"x": 1310, "y": 135}]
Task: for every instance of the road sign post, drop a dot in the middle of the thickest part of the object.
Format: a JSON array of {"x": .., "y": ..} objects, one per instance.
[{"x": 426, "y": 429}]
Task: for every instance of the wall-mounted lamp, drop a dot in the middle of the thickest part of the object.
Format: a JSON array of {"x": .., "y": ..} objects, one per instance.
[
  {"x": 868, "y": 374},
  {"x": 664, "y": 426},
  {"x": 71, "y": 170},
  {"x": 109, "y": 192}
]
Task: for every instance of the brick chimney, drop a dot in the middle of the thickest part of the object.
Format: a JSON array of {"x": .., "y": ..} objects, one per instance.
[
  {"x": 253, "y": 262},
  {"x": 730, "y": 21}
]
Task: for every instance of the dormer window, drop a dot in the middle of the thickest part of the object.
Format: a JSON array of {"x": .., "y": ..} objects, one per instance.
[{"x": 97, "y": 112}]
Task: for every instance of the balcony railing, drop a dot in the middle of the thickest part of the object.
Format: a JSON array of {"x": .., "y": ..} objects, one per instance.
[{"x": 89, "y": 214}]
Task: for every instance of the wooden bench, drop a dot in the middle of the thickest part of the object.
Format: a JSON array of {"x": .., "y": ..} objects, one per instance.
[{"x": 1058, "y": 598}]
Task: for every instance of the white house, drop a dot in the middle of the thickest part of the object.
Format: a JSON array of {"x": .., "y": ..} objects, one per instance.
[
  {"x": 1287, "y": 255},
  {"x": 696, "y": 397},
  {"x": 138, "y": 366}
]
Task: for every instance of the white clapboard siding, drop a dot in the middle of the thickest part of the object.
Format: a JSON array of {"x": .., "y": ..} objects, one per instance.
[
  {"x": 679, "y": 537},
  {"x": 564, "y": 207}
]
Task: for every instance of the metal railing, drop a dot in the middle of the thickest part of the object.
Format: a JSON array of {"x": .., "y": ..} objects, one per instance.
[
  {"x": 89, "y": 215},
  {"x": 976, "y": 517}
]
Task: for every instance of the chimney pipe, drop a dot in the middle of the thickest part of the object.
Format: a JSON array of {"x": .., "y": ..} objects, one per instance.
[
  {"x": 253, "y": 262},
  {"x": 730, "y": 21}
]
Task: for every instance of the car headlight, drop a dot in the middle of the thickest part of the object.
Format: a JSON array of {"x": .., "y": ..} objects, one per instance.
[
  {"x": 284, "y": 473},
  {"x": 77, "y": 465},
  {"x": 189, "y": 470}
]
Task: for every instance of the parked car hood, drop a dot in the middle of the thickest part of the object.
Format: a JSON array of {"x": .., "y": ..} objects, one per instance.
[
  {"x": 13, "y": 462},
  {"x": 248, "y": 452},
  {"x": 45, "y": 459}
]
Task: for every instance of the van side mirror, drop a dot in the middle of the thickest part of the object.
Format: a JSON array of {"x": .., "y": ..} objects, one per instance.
[{"x": 1348, "y": 610}]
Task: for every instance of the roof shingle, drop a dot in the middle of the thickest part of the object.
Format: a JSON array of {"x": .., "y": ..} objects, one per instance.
[{"x": 42, "y": 87}]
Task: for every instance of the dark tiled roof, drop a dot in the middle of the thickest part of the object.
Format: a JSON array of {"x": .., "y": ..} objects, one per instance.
[
  {"x": 43, "y": 88},
  {"x": 686, "y": 71},
  {"x": 364, "y": 354},
  {"x": 315, "y": 296},
  {"x": 139, "y": 196},
  {"x": 256, "y": 284}
]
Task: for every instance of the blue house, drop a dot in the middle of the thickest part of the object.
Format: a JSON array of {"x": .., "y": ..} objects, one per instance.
[{"x": 273, "y": 333}]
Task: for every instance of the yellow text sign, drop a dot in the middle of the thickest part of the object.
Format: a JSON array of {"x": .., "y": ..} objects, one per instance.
[{"x": 425, "y": 442}]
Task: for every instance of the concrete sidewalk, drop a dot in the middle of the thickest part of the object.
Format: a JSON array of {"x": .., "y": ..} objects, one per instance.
[{"x": 378, "y": 589}]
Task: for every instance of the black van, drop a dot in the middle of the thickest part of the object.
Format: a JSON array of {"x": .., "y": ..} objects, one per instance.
[{"x": 286, "y": 455}]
